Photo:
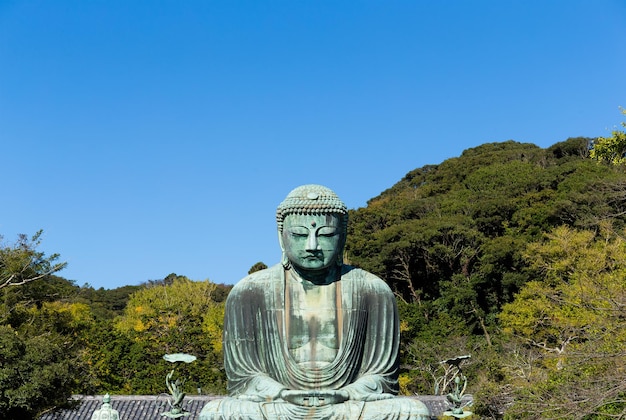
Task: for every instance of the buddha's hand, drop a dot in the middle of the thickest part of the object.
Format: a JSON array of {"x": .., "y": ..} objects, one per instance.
[{"x": 309, "y": 398}]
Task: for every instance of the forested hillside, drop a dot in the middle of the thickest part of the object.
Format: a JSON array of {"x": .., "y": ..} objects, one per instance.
[
  {"x": 511, "y": 253},
  {"x": 516, "y": 255}
]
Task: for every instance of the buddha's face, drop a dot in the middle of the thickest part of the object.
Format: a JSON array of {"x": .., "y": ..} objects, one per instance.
[{"x": 312, "y": 242}]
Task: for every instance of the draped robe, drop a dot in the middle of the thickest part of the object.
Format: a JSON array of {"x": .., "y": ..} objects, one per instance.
[{"x": 258, "y": 363}]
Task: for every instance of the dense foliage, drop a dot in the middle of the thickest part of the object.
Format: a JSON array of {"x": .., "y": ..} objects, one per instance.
[
  {"x": 462, "y": 241},
  {"x": 611, "y": 149},
  {"x": 58, "y": 339},
  {"x": 511, "y": 253},
  {"x": 571, "y": 321},
  {"x": 40, "y": 364},
  {"x": 125, "y": 351},
  {"x": 22, "y": 262}
]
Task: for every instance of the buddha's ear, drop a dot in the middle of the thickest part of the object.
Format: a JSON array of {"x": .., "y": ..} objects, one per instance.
[
  {"x": 284, "y": 259},
  {"x": 280, "y": 240}
]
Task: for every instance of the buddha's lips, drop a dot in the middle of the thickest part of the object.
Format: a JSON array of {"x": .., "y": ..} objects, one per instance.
[{"x": 312, "y": 257}]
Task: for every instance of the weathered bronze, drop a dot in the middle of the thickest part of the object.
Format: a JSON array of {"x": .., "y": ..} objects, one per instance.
[
  {"x": 175, "y": 386},
  {"x": 455, "y": 398},
  {"x": 311, "y": 337},
  {"x": 106, "y": 412}
]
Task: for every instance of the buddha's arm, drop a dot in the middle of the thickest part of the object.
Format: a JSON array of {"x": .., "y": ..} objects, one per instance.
[
  {"x": 245, "y": 347},
  {"x": 246, "y": 377}
]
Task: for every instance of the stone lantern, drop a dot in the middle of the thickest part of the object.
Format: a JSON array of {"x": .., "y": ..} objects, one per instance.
[{"x": 106, "y": 412}]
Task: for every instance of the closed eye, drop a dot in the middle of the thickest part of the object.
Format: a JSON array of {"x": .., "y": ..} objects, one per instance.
[
  {"x": 327, "y": 231},
  {"x": 298, "y": 232}
]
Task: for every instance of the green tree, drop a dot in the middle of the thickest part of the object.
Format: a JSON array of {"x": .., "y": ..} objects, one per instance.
[
  {"x": 34, "y": 374},
  {"x": 105, "y": 304},
  {"x": 40, "y": 363},
  {"x": 257, "y": 267},
  {"x": 22, "y": 263},
  {"x": 611, "y": 149},
  {"x": 571, "y": 321},
  {"x": 40, "y": 337}
]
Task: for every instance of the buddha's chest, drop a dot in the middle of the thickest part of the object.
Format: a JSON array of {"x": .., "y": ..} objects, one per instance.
[{"x": 312, "y": 324}]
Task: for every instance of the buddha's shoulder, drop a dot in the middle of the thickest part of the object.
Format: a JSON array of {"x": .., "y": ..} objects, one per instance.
[
  {"x": 260, "y": 280},
  {"x": 364, "y": 278},
  {"x": 351, "y": 272}
]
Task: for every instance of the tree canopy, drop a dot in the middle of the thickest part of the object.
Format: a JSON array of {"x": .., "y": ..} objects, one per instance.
[
  {"x": 175, "y": 316},
  {"x": 22, "y": 263},
  {"x": 611, "y": 149},
  {"x": 462, "y": 241},
  {"x": 572, "y": 319},
  {"x": 39, "y": 353}
]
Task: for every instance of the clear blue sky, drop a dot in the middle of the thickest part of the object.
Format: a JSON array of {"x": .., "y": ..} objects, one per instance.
[{"x": 151, "y": 137}]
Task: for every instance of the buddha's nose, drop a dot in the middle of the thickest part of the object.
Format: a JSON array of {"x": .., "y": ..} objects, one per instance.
[{"x": 311, "y": 242}]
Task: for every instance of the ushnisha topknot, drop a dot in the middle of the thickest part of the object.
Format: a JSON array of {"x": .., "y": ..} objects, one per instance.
[{"x": 311, "y": 199}]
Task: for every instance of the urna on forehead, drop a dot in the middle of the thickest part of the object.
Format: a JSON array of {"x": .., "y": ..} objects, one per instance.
[{"x": 310, "y": 199}]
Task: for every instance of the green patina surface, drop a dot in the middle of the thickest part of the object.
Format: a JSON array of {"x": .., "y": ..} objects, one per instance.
[
  {"x": 106, "y": 412},
  {"x": 311, "y": 337}
]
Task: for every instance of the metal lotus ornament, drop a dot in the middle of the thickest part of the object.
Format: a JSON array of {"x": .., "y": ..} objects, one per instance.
[
  {"x": 455, "y": 398},
  {"x": 175, "y": 387}
]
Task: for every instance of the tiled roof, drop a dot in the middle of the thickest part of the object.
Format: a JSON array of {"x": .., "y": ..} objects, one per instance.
[
  {"x": 130, "y": 407},
  {"x": 146, "y": 407}
]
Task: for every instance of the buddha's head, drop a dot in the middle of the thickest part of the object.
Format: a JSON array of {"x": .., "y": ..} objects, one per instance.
[{"x": 312, "y": 225}]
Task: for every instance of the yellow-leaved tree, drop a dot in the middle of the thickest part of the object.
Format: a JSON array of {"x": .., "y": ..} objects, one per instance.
[
  {"x": 174, "y": 316},
  {"x": 571, "y": 323}
]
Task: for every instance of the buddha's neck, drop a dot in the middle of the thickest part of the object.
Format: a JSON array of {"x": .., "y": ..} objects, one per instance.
[{"x": 316, "y": 277}]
